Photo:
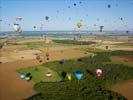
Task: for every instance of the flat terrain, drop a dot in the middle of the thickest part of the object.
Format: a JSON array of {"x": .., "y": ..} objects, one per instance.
[
  {"x": 15, "y": 57},
  {"x": 14, "y": 88}
]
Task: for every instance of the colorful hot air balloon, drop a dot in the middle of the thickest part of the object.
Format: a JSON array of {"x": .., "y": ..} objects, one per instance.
[
  {"x": 78, "y": 74},
  {"x": 16, "y": 27},
  {"x": 99, "y": 72},
  {"x": 79, "y": 25}
]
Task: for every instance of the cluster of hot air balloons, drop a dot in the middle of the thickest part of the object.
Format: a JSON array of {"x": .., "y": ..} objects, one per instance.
[
  {"x": 26, "y": 76},
  {"x": 79, "y": 74}
]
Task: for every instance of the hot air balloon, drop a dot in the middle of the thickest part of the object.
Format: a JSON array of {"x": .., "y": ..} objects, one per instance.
[
  {"x": 46, "y": 18},
  {"x": 79, "y": 25},
  {"x": 106, "y": 47},
  {"x": 78, "y": 74},
  {"x": 34, "y": 27},
  {"x": 101, "y": 28},
  {"x": 38, "y": 57},
  {"x": 74, "y": 4},
  {"x": 69, "y": 76},
  {"x": 121, "y": 18},
  {"x": 99, "y": 72},
  {"x": 19, "y": 18},
  {"x": 109, "y": 5},
  {"x": 16, "y": 27},
  {"x": 28, "y": 78},
  {"x": 63, "y": 74},
  {"x": 48, "y": 74},
  {"x": 22, "y": 75}
]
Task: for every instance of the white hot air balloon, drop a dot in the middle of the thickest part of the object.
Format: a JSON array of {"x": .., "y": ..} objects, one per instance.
[{"x": 16, "y": 27}]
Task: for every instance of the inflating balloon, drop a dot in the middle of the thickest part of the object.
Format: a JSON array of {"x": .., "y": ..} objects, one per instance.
[
  {"x": 79, "y": 25},
  {"x": 16, "y": 27},
  {"x": 78, "y": 74}
]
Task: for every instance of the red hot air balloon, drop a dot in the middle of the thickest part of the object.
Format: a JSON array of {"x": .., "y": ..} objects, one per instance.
[{"x": 99, "y": 72}]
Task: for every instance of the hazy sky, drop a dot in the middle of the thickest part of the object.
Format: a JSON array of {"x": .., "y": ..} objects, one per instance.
[{"x": 63, "y": 15}]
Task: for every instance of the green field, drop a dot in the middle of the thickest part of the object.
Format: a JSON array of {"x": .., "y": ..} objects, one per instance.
[
  {"x": 74, "y": 42},
  {"x": 89, "y": 86}
]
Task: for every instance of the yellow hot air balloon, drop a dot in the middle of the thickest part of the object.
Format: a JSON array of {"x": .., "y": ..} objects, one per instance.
[
  {"x": 69, "y": 76},
  {"x": 79, "y": 24}
]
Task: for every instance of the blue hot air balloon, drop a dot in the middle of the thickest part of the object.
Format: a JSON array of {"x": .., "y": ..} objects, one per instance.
[
  {"x": 78, "y": 74},
  {"x": 22, "y": 75}
]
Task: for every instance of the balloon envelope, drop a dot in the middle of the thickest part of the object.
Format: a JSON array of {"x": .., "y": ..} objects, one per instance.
[
  {"x": 99, "y": 72},
  {"x": 48, "y": 74},
  {"x": 78, "y": 74},
  {"x": 16, "y": 27},
  {"x": 22, "y": 75},
  {"x": 46, "y": 17},
  {"x": 79, "y": 24},
  {"x": 19, "y": 18},
  {"x": 69, "y": 76}
]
